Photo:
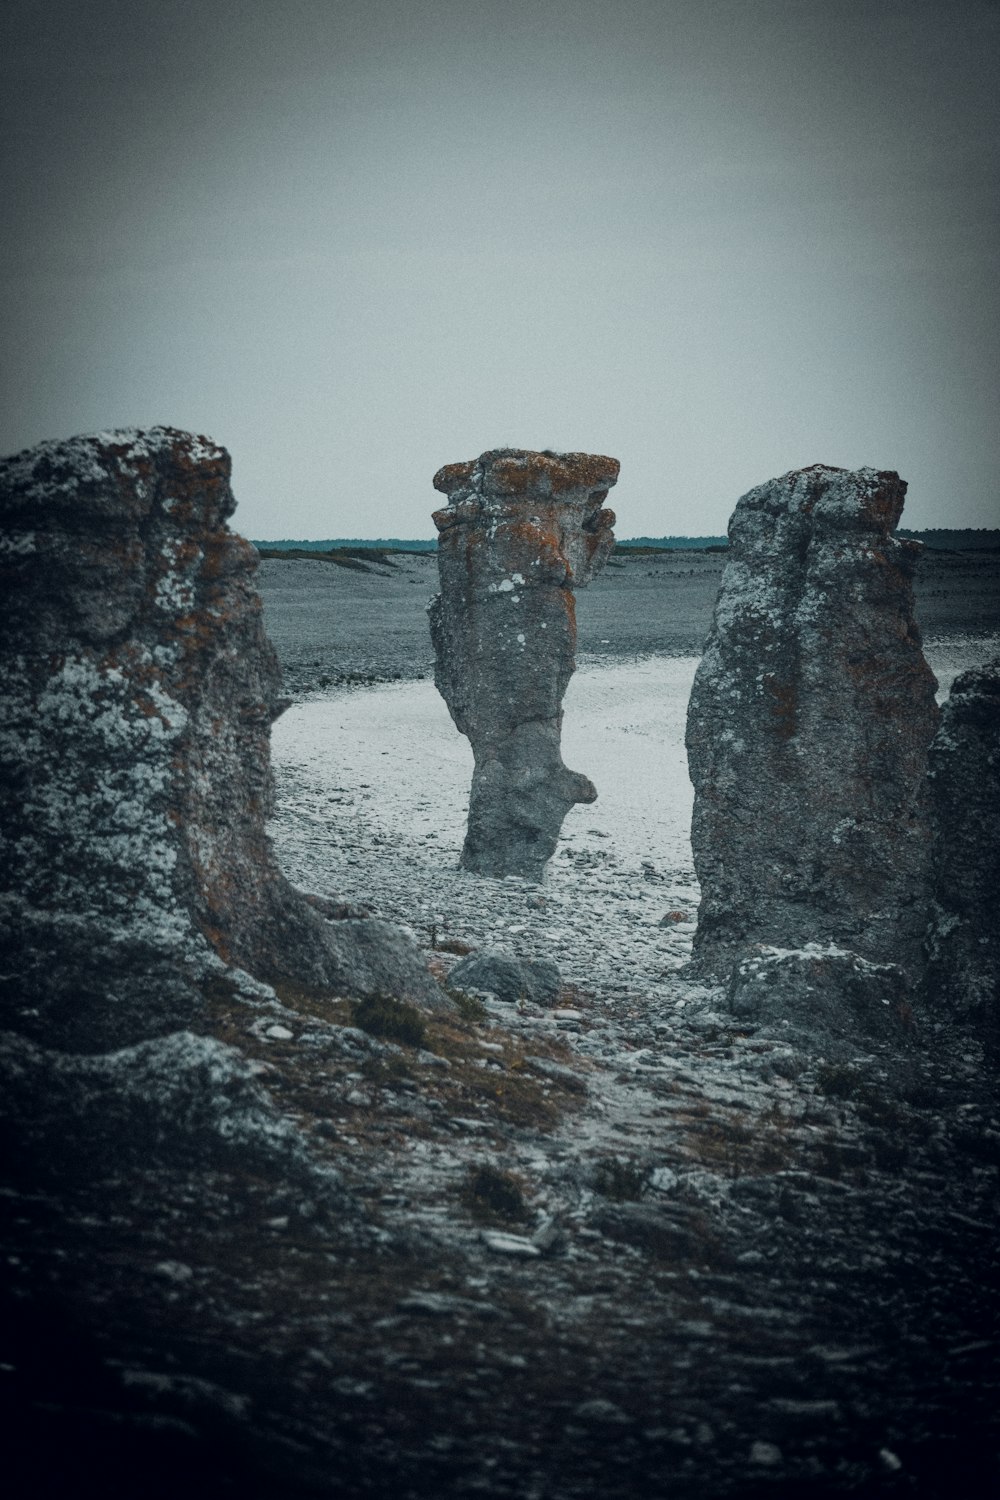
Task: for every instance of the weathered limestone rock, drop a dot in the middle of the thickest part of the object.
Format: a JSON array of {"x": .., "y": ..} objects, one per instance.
[
  {"x": 181, "y": 1099},
  {"x": 823, "y": 999},
  {"x": 138, "y": 691},
  {"x": 520, "y": 532},
  {"x": 510, "y": 979},
  {"x": 963, "y": 945},
  {"x": 808, "y": 729}
]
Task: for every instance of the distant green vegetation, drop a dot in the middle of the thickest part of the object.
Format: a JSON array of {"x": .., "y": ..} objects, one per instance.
[
  {"x": 359, "y": 559},
  {"x": 349, "y": 545},
  {"x": 670, "y": 543},
  {"x": 946, "y": 539},
  {"x": 360, "y": 553}
]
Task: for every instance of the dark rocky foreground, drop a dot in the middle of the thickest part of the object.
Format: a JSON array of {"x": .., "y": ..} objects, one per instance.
[
  {"x": 573, "y": 1252},
  {"x": 582, "y": 1243}
]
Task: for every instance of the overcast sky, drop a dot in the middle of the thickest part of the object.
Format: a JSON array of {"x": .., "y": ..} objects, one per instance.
[{"x": 356, "y": 240}]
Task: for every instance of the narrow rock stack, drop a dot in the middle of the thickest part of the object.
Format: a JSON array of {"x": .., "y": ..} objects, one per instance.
[
  {"x": 137, "y": 698},
  {"x": 520, "y": 532},
  {"x": 964, "y": 937},
  {"x": 808, "y": 731}
]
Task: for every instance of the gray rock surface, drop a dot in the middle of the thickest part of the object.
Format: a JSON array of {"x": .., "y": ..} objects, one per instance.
[
  {"x": 808, "y": 728},
  {"x": 510, "y": 979},
  {"x": 184, "y": 1099},
  {"x": 138, "y": 690},
  {"x": 520, "y": 532},
  {"x": 823, "y": 1000},
  {"x": 964, "y": 935}
]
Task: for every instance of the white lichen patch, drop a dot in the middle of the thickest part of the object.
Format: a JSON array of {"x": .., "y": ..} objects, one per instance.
[
  {"x": 18, "y": 544},
  {"x": 93, "y": 833},
  {"x": 175, "y": 589}
]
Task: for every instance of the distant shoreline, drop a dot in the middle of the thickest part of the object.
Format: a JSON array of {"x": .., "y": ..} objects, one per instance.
[{"x": 938, "y": 538}]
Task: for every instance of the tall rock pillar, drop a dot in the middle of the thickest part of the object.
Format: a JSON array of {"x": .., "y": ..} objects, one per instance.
[
  {"x": 520, "y": 532},
  {"x": 808, "y": 729},
  {"x": 137, "y": 690}
]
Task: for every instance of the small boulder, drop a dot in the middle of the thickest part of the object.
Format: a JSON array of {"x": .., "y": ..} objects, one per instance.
[
  {"x": 510, "y": 979},
  {"x": 822, "y": 999}
]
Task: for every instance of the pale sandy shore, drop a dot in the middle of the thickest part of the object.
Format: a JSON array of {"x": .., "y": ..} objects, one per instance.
[{"x": 372, "y": 796}]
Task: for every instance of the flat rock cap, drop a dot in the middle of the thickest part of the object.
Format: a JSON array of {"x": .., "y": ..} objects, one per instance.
[{"x": 522, "y": 471}]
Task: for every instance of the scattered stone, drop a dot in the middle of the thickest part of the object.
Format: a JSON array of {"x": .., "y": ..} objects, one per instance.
[
  {"x": 174, "y": 1270},
  {"x": 432, "y": 1304},
  {"x": 767, "y": 1455},
  {"x": 808, "y": 729},
  {"x": 520, "y": 532},
  {"x": 600, "y": 1413},
  {"x": 558, "y": 1072},
  {"x": 963, "y": 944},
  {"x": 536, "y": 981},
  {"x": 508, "y": 1244},
  {"x": 820, "y": 1410},
  {"x": 549, "y": 1237}
]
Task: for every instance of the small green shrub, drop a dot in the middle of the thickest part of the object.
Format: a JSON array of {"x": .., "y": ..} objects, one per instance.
[
  {"x": 837, "y": 1082},
  {"x": 469, "y": 1007},
  {"x": 622, "y": 1181},
  {"x": 492, "y": 1194},
  {"x": 393, "y": 1020}
]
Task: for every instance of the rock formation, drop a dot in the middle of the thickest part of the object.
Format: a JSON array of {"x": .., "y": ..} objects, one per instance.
[
  {"x": 808, "y": 729},
  {"x": 137, "y": 698},
  {"x": 521, "y": 530},
  {"x": 963, "y": 947}
]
